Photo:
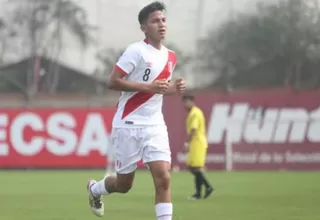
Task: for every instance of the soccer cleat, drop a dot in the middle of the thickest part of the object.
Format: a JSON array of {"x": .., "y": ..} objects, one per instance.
[
  {"x": 208, "y": 192},
  {"x": 194, "y": 197},
  {"x": 96, "y": 203}
]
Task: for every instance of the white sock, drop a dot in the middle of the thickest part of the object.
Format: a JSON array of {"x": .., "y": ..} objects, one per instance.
[
  {"x": 164, "y": 211},
  {"x": 99, "y": 188}
]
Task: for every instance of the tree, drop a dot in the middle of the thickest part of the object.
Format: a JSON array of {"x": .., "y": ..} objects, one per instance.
[
  {"x": 107, "y": 58},
  {"x": 43, "y": 22},
  {"x": 40, "y": 26},
  {"x": 6, "y": 33},
  {"x": 3, "y": 29},
  {"x": 278, "y": 44}
]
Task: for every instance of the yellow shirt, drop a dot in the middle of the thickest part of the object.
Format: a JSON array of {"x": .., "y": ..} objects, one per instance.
[{"x": 196, "y": 120}]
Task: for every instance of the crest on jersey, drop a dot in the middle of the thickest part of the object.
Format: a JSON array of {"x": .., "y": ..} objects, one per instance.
[{"x": 170, "y": 66}]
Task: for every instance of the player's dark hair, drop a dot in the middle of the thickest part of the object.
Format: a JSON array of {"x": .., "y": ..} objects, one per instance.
[
  {"x": 188, "y": 97},
  {"x": 149, "y": 9}
]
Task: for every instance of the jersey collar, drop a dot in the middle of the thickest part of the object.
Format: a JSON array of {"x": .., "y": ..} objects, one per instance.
[{"x": 147, "y": 42}]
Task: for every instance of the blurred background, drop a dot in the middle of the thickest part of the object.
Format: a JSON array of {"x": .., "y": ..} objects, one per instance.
[
  {"x": 221, "y": 44},
  {"x": 253, "y": 66}
]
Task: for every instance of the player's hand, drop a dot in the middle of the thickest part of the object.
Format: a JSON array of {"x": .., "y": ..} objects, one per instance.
[
  {"x": 186, "y": 147},
  {"x": 180, "y": 85},
  {"x": 159, "y": 86}
]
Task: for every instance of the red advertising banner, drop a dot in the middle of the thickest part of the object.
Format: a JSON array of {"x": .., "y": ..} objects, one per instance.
[
  {"x": 263, "y": 130},
  {"x": 54, "y": 138}
]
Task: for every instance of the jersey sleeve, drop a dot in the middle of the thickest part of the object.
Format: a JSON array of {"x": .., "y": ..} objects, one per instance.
[{"x": 128, "y": 60}]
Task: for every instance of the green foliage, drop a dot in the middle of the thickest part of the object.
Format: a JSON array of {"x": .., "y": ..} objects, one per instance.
[
  {"x": 107, "y": 58},
  {"x": 45, "y": 19},
  {"x": 37, "y": 27},
  {"x": 278, "y": 44}
]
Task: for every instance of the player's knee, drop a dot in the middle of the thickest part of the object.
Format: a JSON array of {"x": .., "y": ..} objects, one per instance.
[
  {"x": 124, "y": 187},
  {"x": 124, "y": 182},
  {"x": 162, "y": 180}
]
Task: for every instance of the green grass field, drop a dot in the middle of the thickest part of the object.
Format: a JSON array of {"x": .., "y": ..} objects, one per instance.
[{"x": 57, "y": 195}]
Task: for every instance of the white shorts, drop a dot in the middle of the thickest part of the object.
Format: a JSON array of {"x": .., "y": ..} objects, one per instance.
[{"x": 130, "y": 145}]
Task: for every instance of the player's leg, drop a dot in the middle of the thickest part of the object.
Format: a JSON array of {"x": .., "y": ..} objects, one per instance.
[
  {"x": 160, "y": 171},
  {"x": 200, "y": 180},
  {"x": 157, "y": 156},
  {"x": 197, "y": 182},
  {"x": 205, "y": 182},
  {"x": 121, "y": 183},
  {"x": 209, "y": 188},
  {"x": 191, "y": 159},
  {"x": 127, "y": 154},
  {"x": 196, "y": 166}
]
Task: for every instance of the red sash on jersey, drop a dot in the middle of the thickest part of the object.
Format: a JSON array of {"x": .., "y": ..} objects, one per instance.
[{"x": 141, "y": 97}]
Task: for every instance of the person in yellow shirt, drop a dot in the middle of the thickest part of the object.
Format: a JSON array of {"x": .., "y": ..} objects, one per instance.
[{"x": 196, "y": 146}]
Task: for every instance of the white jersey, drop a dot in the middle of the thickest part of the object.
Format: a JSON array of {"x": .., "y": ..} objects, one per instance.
[{"x": 141, "y": 62}]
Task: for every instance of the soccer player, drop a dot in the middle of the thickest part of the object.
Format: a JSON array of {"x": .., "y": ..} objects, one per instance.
[
  {"x": 196, "y": 146},
  {"x": 143, "y": 74}
]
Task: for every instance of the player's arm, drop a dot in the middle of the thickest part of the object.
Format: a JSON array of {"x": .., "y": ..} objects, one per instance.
[
  {"x": 172, "y": 89},
  {"x": 178, "y": 86},
  {"x": 117, "y": 82},
  {"x": 194, "y": 124},
  {"x": 191, "y": 134},
  {"x": 189, "y": 138},
  {"x": 125, "y": 66}
]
